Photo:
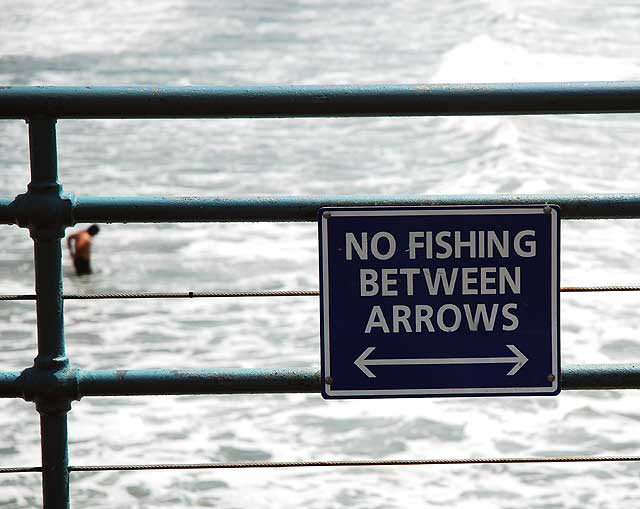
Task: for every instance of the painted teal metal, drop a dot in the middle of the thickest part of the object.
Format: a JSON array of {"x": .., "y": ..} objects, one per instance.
[
  {"x": 304, "y": 208},
  {"x": 42, "y": 205},
  {"x": 601, "y": 376},
  {"x": 10, "y": 385},
  {"x": 53, "y": 383},
  {"x": 209, "y": 381},
  {"x": 321, "y": 101},
  {"x": 149, "y": 209},
  {"x": 74, "y": 384}
]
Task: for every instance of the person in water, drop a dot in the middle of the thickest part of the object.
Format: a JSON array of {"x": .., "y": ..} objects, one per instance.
[{"x": 79, "y": 244}]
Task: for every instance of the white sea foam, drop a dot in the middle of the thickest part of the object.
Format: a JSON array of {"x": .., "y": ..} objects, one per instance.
[{"x": 487, "y": 59}]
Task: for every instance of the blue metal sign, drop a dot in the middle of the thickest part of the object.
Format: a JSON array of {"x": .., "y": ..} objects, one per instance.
[{"x": 440, "y": 301}]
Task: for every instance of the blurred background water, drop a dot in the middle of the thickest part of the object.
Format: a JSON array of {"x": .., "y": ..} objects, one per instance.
[{"x": 313, "y": 42}]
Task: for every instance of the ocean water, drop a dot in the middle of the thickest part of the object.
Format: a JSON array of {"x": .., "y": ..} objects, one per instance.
[{"x": 312, "y": 42}]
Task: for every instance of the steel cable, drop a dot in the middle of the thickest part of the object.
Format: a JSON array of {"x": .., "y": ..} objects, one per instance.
[
  {"x": 356, "y": 463},
  {"x": 265, "y": 293},
  {"x": 348, "y": 463},
  {"x": 174, "y": 295}
]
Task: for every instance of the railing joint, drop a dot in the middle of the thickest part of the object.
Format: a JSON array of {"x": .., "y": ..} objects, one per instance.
[
  {"x": 45, "y": 210},
  {"x": 51, "y": 384}
]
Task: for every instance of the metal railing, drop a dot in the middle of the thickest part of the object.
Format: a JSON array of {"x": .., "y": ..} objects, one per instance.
[{"x": 53, "y": 383}]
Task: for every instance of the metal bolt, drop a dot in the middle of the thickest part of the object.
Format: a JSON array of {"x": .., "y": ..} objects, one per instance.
[
  {"x": 551, "y": 378},
  {"x": 328, "y": 380},
  {"x": 547, "y": 209},
  {"x": 327, "y": 214}
]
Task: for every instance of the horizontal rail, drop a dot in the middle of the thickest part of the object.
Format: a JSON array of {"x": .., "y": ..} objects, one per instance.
[
  {"x": 205, "y": 381},
  {"x": 305, "y": 208},
  {"x": 321, "y": 101},
  {"x": 93, "y": 209},
  {"x": 11, "y": 385},
  {"x": 135, "y": 382}
]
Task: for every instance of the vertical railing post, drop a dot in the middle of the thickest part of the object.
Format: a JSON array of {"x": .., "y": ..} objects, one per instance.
[{"x": 47, "y": 229}]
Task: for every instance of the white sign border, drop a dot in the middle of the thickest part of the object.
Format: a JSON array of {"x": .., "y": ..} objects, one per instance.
[{"x": 454, "y": 210}]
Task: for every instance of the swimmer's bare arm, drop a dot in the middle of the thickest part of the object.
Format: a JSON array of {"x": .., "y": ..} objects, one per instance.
[{"x": 71, "y": 243}]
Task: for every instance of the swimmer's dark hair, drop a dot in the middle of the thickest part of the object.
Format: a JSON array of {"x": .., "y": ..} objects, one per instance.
[{"x": 93, "y": 229}]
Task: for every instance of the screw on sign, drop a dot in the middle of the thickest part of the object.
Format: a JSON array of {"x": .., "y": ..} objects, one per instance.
[{"x": 439, "y": 301}]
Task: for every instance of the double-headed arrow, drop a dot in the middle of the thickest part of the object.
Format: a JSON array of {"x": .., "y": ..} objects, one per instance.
[{"x": 363, "y": 361}]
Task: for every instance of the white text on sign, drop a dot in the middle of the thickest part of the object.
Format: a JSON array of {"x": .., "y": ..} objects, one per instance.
[{"x": 431, "y": 281}]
